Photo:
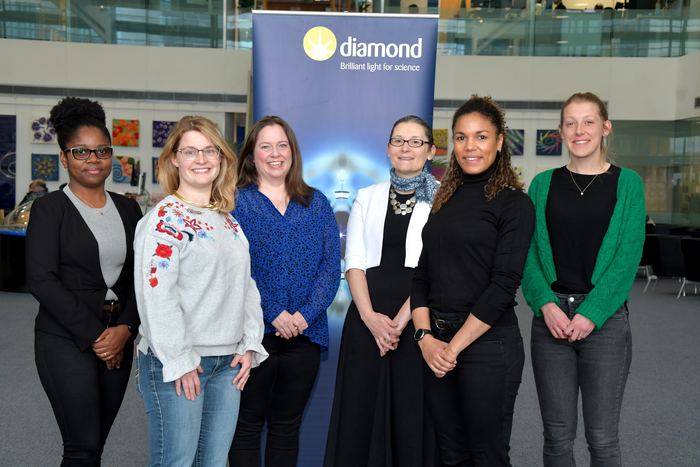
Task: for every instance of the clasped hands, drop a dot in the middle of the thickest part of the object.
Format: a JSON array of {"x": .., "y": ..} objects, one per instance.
[
  {"x": 561, "y": 327},
  {"x": 189, "y": 382},
  {"x": 438, "y": 355},
  {"x": 288, "y": 325},
  {"x": 109, "y": 347},
  {"x": 386, "y": 331}
]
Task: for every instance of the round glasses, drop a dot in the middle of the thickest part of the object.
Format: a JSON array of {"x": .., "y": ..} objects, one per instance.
[
  {"x": 414, "y": 143},
  {"x": 103, "y": 152},
  {"x": 190, "y": 154}
]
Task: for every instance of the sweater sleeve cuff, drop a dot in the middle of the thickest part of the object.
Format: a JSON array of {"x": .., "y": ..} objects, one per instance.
[
  {"x": 259, "y": 352},
  {"x": 541, "y": 300},
  {"x": 175, "y": 369}
]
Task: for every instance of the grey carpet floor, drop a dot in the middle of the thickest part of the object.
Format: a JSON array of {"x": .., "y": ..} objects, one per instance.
[{"x": 660, "y": 416}]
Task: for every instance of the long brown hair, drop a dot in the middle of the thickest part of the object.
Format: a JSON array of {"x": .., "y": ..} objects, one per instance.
[
  {"x": 504, "y": 175},
  {"x": 224, "y": 187},
  {"x": 602, "y": 112},
  {"x": 294, "y": 181}
]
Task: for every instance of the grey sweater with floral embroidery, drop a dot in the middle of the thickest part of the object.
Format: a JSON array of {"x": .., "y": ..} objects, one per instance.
[{"x": 195, "y": 294}]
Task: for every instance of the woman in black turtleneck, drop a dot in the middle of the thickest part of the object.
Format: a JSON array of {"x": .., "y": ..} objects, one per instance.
[{"x": 463, "y": 294}]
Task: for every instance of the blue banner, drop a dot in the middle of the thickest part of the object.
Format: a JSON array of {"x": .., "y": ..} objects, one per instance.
[{"x": 341, "y": 81}]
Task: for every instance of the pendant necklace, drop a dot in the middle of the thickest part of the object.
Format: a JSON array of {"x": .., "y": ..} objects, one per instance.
[
  {"x": 579, "y": 188},
  {"x": 401, "y": 208},
  {"x": 213, "y": 205},
  {"x": 93, "y": 207}
]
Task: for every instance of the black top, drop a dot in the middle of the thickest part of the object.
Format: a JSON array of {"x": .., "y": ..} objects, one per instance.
[
  {"x": 577, "y": 224},
  {"x": 389, "y": 278},
  {"x": 474, "y": 253}
]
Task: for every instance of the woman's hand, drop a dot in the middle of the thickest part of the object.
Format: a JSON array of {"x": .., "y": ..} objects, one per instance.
[
  {"x": 285, "y": 325},
  {"x": 111, "y": 342},
  {"x": 435, "y": 355},
  {"x": 579, "y": 328},
  {"x": 246, "y": 361},
  {"x": 116, "y": 361},
  {"x": 190, "y": 383},
  {"x": 556, "y": 320},
  {"x": 300, "y": 322},
  {"x": 384, "y": 329}
]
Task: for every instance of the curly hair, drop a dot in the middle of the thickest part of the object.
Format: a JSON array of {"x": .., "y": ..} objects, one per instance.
[
  {"x": 224, "y": 188},
  {"x": 503, "y": 177},
  {"x": 73, "y": 113}
]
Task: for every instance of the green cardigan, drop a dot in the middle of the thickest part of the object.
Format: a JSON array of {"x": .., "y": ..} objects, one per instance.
[{"x": 617, "y": 261}]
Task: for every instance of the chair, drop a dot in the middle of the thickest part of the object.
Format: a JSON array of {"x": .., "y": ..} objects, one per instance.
[
  {"x": 666, "y": 256},
  {"x": 691, "y": 254},
  {"x": 651, "y": 249}
]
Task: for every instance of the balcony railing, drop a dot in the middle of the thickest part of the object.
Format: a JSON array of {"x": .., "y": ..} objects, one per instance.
[{"x": 474, "y": 31}]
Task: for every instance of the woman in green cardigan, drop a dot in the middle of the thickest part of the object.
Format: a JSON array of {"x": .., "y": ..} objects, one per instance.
[{"x": 581, "y": 265}]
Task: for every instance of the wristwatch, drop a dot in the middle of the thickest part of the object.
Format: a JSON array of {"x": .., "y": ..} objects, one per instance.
[{"x": 420, "y": 333}]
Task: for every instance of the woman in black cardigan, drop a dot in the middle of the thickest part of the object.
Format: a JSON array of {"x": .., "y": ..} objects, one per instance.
[
  {"x": 80, "y": 266},
  {"x": 474, "y": 249}
]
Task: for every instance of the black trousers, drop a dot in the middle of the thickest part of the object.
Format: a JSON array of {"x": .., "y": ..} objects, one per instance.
[
  {"x": 472, "y": 405},
  {"x": 276, "y": 393},
  {"x": 84, "y": 394}
]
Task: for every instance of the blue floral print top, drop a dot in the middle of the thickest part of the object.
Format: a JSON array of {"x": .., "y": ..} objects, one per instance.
[{"x": 295, "y": 257}]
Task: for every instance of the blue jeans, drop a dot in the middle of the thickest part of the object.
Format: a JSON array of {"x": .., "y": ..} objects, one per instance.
[
  {"x": 189, "y": 433},
  {"x": 599, "y": 366}
]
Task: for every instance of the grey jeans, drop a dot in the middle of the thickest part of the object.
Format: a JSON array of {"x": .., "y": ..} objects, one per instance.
[{"x": 597, "y": 365}]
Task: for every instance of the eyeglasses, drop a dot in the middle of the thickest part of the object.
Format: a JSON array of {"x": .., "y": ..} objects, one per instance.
[
  {"x": 414, "y": 143},
  {"x": 189, "y": 153},
  {"x": 103, "y": 152}
]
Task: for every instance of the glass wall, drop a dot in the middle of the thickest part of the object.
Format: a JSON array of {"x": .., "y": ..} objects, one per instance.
[
  {"x": 667, "y": 157},
  {"x": 513, "y": 30}
]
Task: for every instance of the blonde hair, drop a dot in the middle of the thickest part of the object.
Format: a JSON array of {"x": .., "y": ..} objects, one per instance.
[{"x": 224, "y": 187}]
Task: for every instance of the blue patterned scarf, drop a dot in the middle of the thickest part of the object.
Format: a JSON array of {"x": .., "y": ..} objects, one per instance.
[{"x": 424, "y": 184}]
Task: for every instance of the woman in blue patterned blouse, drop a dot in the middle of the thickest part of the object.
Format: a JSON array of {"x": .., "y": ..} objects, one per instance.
[{"x": 295, "y": 253}]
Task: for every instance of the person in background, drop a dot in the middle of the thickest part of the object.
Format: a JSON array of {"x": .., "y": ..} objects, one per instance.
[
  {"x": 295, "y": 254},
  {"x": 378, "y": 413},
  {"x": 580, "y": 269},
  {"x": 37, "y": 189},
  {"x": 80, "y": 260},
  {"x": 463, "y": 294},
  {"x": 201, "y": 321}
]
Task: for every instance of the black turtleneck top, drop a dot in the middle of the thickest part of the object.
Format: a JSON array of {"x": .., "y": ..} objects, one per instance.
[{"x": 474, "y": 253}]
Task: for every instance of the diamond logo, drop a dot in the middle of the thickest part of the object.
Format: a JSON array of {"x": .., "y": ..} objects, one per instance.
[{"x": 320, "y": 43}]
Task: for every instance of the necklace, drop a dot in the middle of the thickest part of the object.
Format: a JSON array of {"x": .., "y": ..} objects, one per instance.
[
  {"x": 401, "y": 208},
  {"x": 93, "y": 207},
  {"x": 213, "y": 205},
  {"x": 579, "y": 188}
]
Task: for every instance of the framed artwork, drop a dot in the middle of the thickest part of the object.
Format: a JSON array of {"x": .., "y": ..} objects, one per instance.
[
  {"x": 161, "y": 131},
  {"x": 519, "y": 172},
  {"x": 516, "y": 142},
  {"x": 8, "y": 159},
  {"x": 438, "y": 166},
  {"x": 440, "y": 139},
  {"x": 45, "y": 166},
  {"x": 42, "y": 131},
  {"x": 155, "y": 169},
  {"x": 548, "y": 143},
  {"x": 125, "y": 132},
  {"x": 124, "y": 168}
]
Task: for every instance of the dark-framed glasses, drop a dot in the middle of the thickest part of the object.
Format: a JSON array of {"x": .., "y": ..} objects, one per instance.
[
  {"x": 103, "y": 152},
  {"x": 189, "y": 153},
  {"x": 414, "y": 143}
]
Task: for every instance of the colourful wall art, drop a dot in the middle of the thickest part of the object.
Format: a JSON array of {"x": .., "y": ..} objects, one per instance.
[
  {"x": 440, "y": 139},
  {"x": 123, "y": 168},
  {"x": 45, "y": 166},
  {"x": 516, "y": 142},
  {"x": 438, "y": 166},
  {"x": 42, "y": 131},
  {"x": 8, "y": 155},
  {"x": 155, "y": 169},
  {"x": 519, "y": 172},
  {"x": 125, "y": 132},
  {"x": 161, "y": 131},
  {"x": 548, "y": 143}
]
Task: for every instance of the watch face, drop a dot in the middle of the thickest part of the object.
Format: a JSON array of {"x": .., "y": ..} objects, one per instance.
[{"x": 420, "y": 333}]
